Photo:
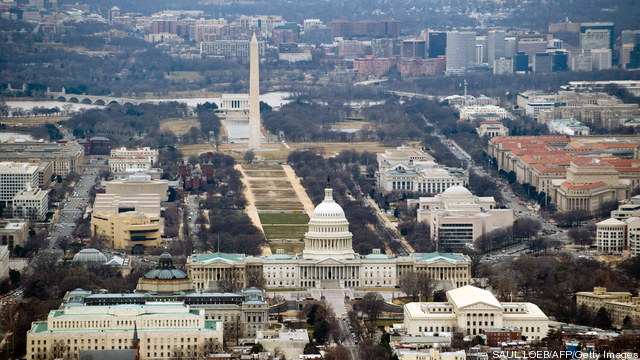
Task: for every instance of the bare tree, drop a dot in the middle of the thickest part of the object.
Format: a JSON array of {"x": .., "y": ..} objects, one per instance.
[
  {"x": 338, "y": 353},
  {"x": 58, "y": 350},
  {"x": 255, "y": 278},
  {"x": 230, "y": 283},
  {"x": 416, "y": 284},
  {"x": 372, "y": 305}
]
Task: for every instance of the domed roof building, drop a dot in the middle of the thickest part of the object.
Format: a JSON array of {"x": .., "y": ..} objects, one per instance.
[
  {"x": 90, "y": 256},
  {"x": 328, "y": 234},
  {"x": 328, "y": 261},
  {"x": 165, "y": 278}
]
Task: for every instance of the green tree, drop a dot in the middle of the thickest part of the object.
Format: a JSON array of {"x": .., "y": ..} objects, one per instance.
[
  {"x": 14, "y": 276},
  {"x": 310, "y": 348},
  {"x": 257, "y": 348},
  {"x": 321, "y": 332},
  {"x": 602, "y": 319},
  {"x": 583, "y": 315}
]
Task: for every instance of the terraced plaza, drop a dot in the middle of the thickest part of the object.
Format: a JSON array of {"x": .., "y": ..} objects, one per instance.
[{"x": 277, "y": 204}]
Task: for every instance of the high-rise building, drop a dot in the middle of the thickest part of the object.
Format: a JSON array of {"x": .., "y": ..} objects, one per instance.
[
  {"x": 608, "y": 26},
  {"x": 601, "y": 59},
  {"x": 437, "y": 44},
  {"x": 414, "y": 48},
  {"x": 503, "y": 66},
  {"x": 560, "y": 61},
  {"x": 510, "y": 47},
  {"x": 461, "y": 51},
  {"x": 481, "y": 50},
  {"x": 532, "y": 44},
  {"x": 318, "y": 35},
  {"x": 630, "y": 36},
  {"x": 594, "y": 39},
  {"x": 495, "y": 45},
  {"x": 521, "y": 62},
  {"x": 238, "y": 49},
  {"x": 385, "y": 47},
  {"x": 580, "y": 60},
  {"x": 542, "y": 63}
]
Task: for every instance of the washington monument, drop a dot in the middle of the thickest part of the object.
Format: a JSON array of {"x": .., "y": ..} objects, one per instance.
[{"x": 255, "y": 133}]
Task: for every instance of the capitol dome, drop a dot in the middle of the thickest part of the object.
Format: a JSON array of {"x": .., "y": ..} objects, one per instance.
[
  {"x": 457, "y": 191},
  {"x": 90, "y": 256},
  {"x": 328, "y": 235},
  {"x": 328, "y": 209}
]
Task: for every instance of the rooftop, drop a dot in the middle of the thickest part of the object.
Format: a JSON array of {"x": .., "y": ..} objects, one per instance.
[
  {"x": 469, "y": 295},
  {"x": 217, "y": 256},
  {"x": 10, "y": 167},
  {"x": 437, "y": 256}
]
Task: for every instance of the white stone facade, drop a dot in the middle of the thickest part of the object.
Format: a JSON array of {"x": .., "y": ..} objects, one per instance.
[
  {"x": 469, "y": 310},
  {"x": 31, "y": 204},
  {"x": 149, "y": 153},
  {"x": 485, "y": 112},
  {"x": 162, "y": 328},
  {"x": 328, "y": 260},
  {"x": 413, "y": 170},
  {"x": 492, "y": 128},
  {"x": 15, "y": 177},
  {"x": 457, "y": 217}
]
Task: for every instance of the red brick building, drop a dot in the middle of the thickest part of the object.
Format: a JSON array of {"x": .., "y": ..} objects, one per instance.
[{"x": 496, "y": 336}]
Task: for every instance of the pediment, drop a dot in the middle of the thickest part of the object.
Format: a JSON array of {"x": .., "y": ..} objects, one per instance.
[
  {"x": 329, "y": 261},
  {"x": 480, "y": 306}
]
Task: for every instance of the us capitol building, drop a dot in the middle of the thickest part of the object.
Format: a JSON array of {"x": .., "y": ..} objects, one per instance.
[{"x": 328, "y": 261}]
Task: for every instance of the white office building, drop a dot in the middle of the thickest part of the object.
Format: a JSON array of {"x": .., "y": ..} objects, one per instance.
[
  {"x": 162, "y": 330},
  {"x": 469, "y": 310},
  {"x": 460, "y": 51},
  {"x": 15, "y": 177},
  {"x": 31, "y": 203}
]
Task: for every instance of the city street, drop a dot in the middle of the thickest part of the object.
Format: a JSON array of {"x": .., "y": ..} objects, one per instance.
[
  {"x": 191, "y": 207},
  {"x": 74, "y": 206}
]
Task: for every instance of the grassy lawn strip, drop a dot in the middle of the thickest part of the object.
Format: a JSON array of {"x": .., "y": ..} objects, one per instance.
[
  {"x": 289, "y": 247},
  {"x": 284, "y": 231},
  {"x": 284, "y": 218}
]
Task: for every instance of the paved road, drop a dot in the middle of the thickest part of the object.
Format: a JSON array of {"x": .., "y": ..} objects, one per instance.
[
  {"x": 73, "y": 208},
  {"x": 192, "y": 209},
  {"x": 349, "y": 338}
]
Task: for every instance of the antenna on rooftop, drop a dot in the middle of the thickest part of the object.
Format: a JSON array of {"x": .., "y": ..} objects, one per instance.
[{"x": 465, "y": 83}]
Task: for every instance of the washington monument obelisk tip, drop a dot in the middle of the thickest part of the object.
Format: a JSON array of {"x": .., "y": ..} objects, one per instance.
[{"x": 255, "y": 132}]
